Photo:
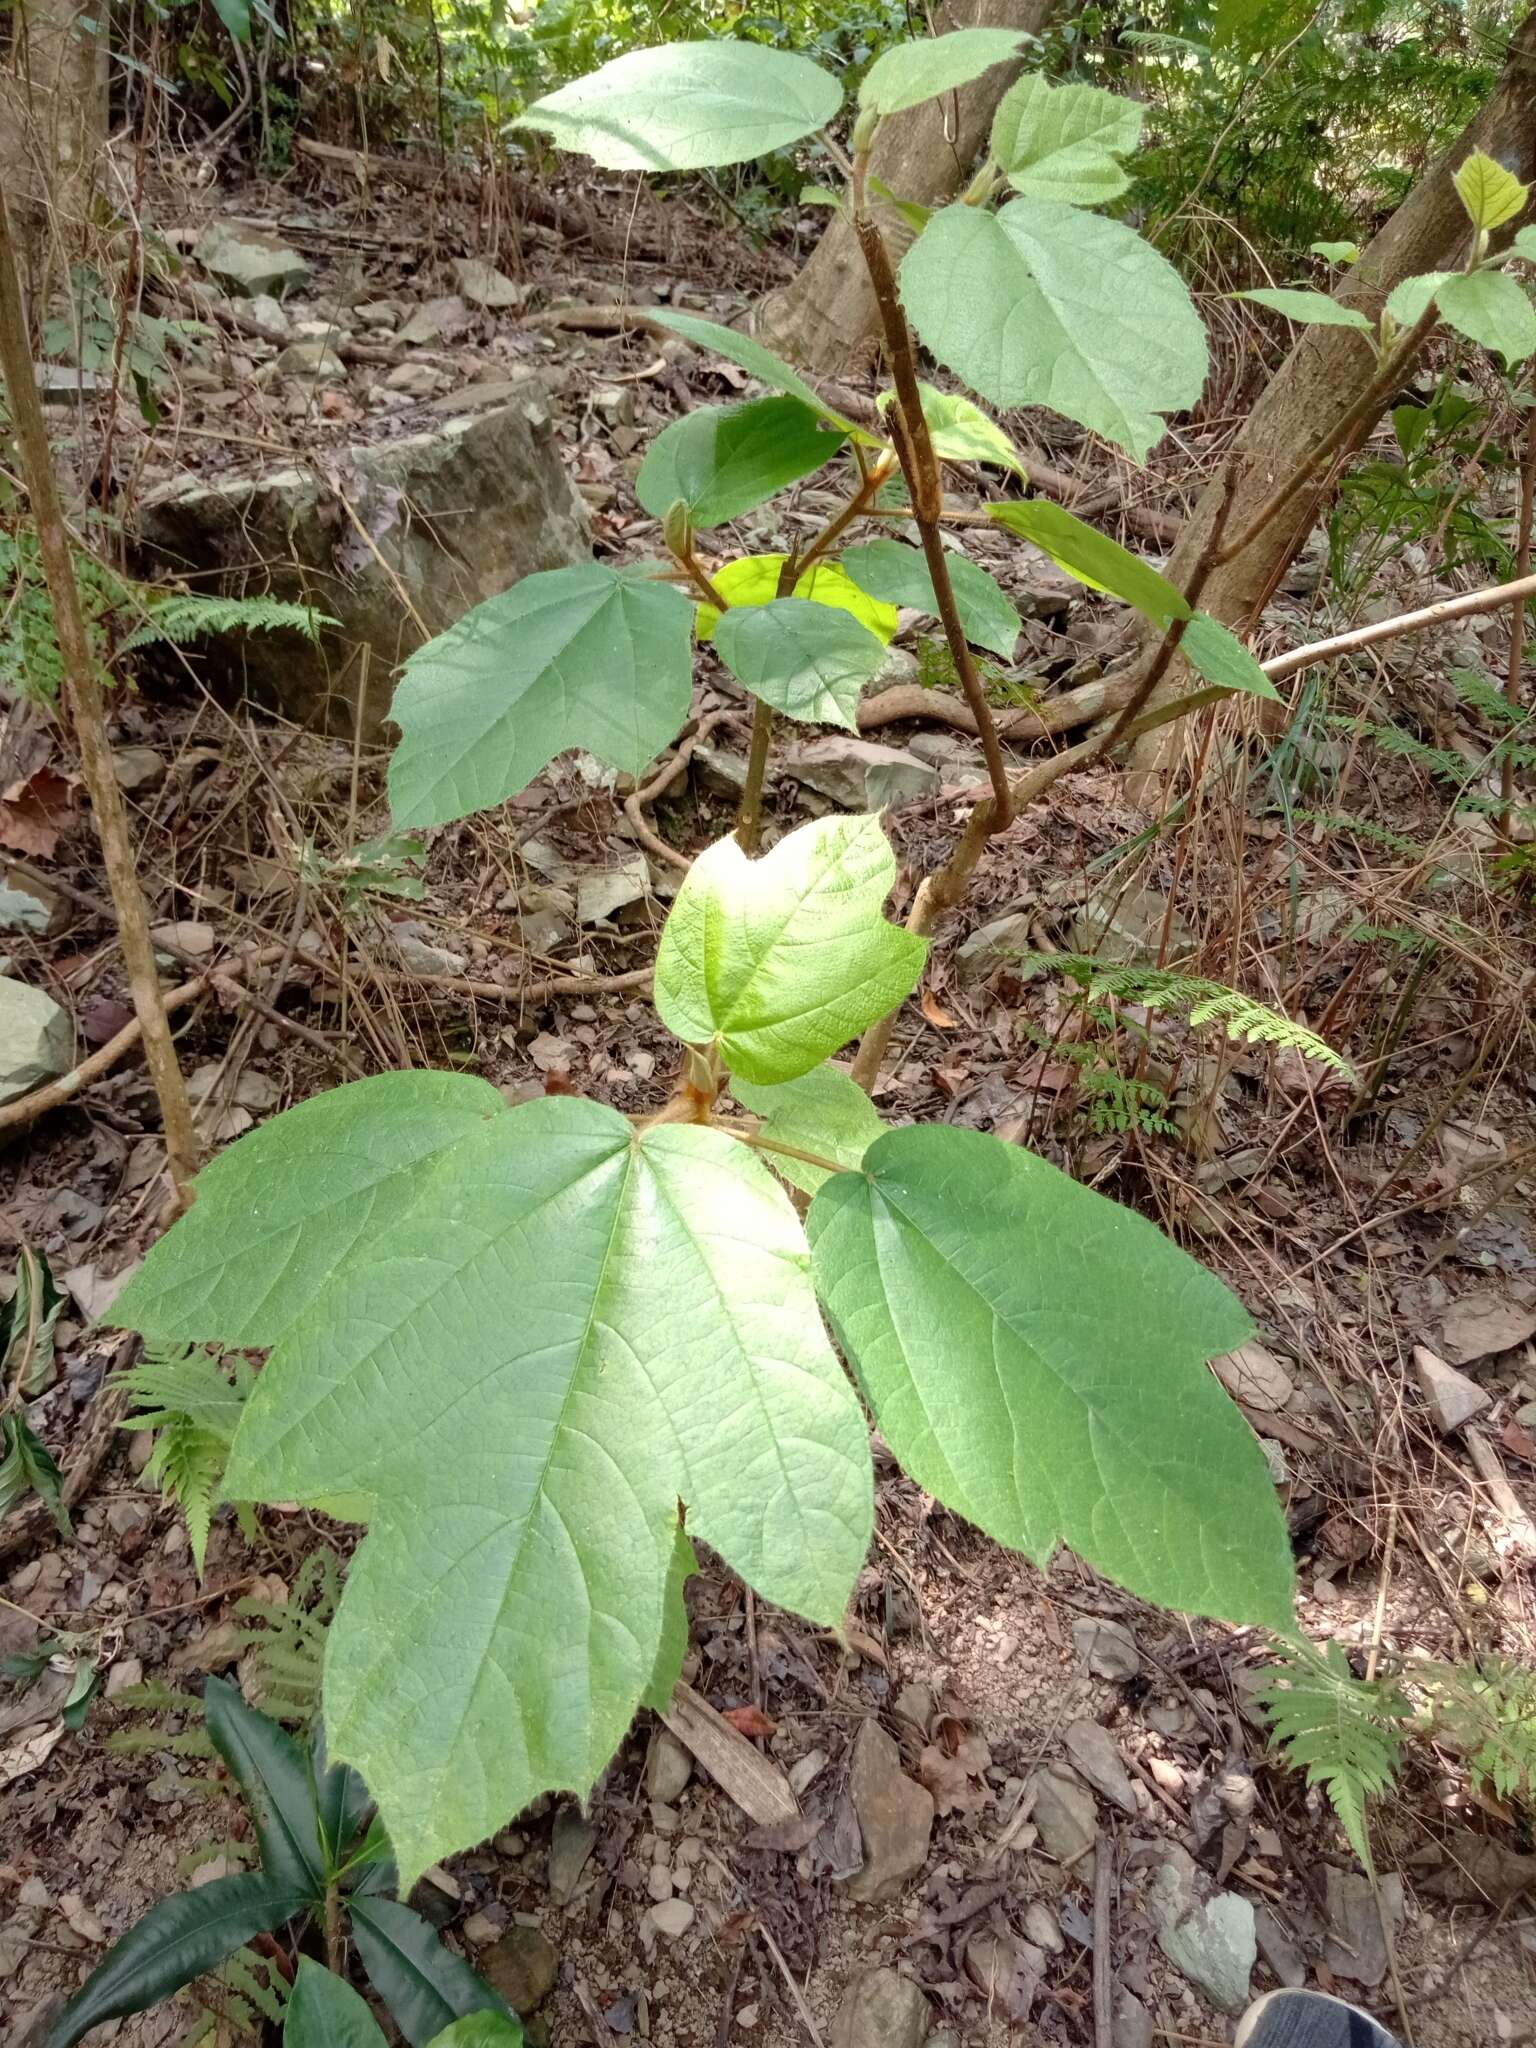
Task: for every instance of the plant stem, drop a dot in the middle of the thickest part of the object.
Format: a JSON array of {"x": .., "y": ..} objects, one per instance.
[
  {"x": 762, "y": 1144},
  {"x": 925, "y": 482},
  {"x": 82, "y": 701},
  {"x": 749, "y": 814},
  {"x": 335, "y": 1942},
  {"x": 1513, "y": 678}
]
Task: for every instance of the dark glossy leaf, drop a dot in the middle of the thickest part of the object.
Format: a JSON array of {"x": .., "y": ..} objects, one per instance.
[
  {"x": 176, "y": 1941},
  {"x": 27, "y": 1466},
  {"x": 342, "y": 1801},
  {"x": 892, "y": 570},
  {"x": 236, "y": 17},
  {"x": 325, "y": 2012},
  {"x": 274, "y": 1779},
  {"x": 425, "y": 1985}
]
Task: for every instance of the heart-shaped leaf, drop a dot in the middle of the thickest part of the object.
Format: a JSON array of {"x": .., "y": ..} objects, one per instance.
[
  {"x": 754, "y": 579},
  {"x": 1490, "y": 193},
  {"x": 824, "y": 1111},
  {"x": 1063, "y": 141},
  {"x": 581, "y": 657},
  {"x": 688, "y": 106},
  {"x": 523, "y": 1335},
  {"x": 1042, "y": 304},
  {"x": 781, "y": 961},
  {"x": 1035, "y": 1357},
  {"x": 807, "y": 660},
  {"x": 910, "y": 73},
  {"x": 724, "y": 460},
  {"x": 891, "y": 570}
]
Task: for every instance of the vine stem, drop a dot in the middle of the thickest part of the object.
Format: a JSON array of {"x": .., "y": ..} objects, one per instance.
[
  {"x": 83, "y": 702},
  {"x": 1513, "y": 677}
]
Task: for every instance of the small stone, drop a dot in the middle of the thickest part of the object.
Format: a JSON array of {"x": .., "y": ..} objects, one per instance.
[
  {"x": 1213, "y": 1945},
  {"x": 719, "y": 771},
  {"x": 414, "y": 942},
  {"x": 602, "y": 891},
  {"x": 570, "y": 1844},
  {"x": 914, "y": 1705},
  {"x": 1132, "y": 2022},
  {"x": 1453, "y": 1398},
  {"x": 1107, "y": 1647},
  {"x": 1064, "y": 1813},
  {"x": 671, "y": 1918},
  {"x": 1126, "y": 928},
  {"x": 138, "y": 768},
  {"x": 416, "y": 379},
  {"x": 1253, "y": 1374},
  {"x": 1003, "y": 942},
  {"x": 249, "y": 262},
  {"x": 484, "y": 285},
  {"x": 126, "y": 1672},
  {"x": 895, "y": 1816},
  {"x": 881, "y": 2009},
  {"x": 861, "y": 775},
  {"x": 668, "y": 1767},
  {"x": 312, "y": 362},
  {"x": 658, "y": 1882},
  {"x": 1042, "y": 1927},
  {"x": 267, "y": 315},
  {"x": 480, "y": 1928},
  {"x": 37, "y": 1040},
  {"x": 522, "y": 1966},
  {"x": 1483, "y": 1323},
  {"x": 437, "y": 320},
  {"x": 186, "y": 936},
  {"x": 1278, "y": 1949},
  {"x": 1093, "y": 1753},
  {"x": 1356, "y": 1947},
  {"x": 29, "y": 907}
]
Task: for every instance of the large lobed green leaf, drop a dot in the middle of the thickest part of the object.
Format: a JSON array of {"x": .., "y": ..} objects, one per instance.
[
  {"x": 582, "y": 657},
  {"x": 892, "y": 570},
  {"x": 523, "y": 1335},
  {"x": 1042, "y": 304},
  {"x": 724, "y": 460},
  {"x": 688, "y": 106},
  {"x": 1035, "y": 1357},
  {"x": 780, "y": 961},
  {"x": 1064, "y": 141},
  {"x": 808, "y": 660},
  {"x": 909, "y": 73}
]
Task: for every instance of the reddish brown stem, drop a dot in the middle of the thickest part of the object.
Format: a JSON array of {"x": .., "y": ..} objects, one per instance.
[{"x": 1513, "y": 678}]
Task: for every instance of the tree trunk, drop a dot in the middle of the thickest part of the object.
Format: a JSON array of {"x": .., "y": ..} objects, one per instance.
[
  {"x": 826, "y": 319},
  {"x": 53, "y": 124},
  {"x": 1327, "y": 372}
]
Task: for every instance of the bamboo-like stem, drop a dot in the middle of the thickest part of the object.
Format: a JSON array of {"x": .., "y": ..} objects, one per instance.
[
  {"x": 83, "y": 704},
  {"x": 1515, "y": 674}
]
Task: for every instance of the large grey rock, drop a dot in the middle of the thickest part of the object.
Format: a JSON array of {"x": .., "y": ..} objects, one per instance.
[
  {"x": 248, "y": 261},
  {"x": 881, "y": 2009},
  {"x": 861, "y": 775},
  {"x": 895, "y": 1816},
  {"x": 1128, "y": 926},
  {"x": 453, "y": 517},
  {"x": 37, "y": 1040}
]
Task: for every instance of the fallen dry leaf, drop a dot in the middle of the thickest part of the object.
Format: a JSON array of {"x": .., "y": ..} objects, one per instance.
[
  {"x": 30, "y": 1753},
  {"x": 751, "y": 1722},
  {"x": 935, "y": 1012},
  {"x": 954, "y": 1777},
  {"x": 34, "y": 814}
]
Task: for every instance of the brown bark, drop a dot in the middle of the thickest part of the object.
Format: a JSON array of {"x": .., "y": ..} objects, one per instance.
[
  {"x": 827, "y": 319},
  {"x": 1328, "y": 370},
  {"x": 53, "y": 123}
]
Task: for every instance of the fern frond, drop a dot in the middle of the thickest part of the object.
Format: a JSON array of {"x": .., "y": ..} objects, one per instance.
[
  {"x": 1346, "y": 1734},
  {"x": 187, "y": 1464},
  {"x": 286, "y": 1640},
  {"x": 1366, "y": 829},
  {"x": 1488, "y": 1711},
  {"x": 186, "y": 1381},
  {"x": 1484, "y": 696},
  {"x": 174, "y": 620},
  {"x": 1199, "y": 1001}
]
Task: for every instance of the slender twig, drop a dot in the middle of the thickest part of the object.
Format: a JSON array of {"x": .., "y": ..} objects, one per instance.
[
  {"x": 1491, "y": 598},
  {"x": 82, "y": 696},
  {"x": 1512, "y": 681}
]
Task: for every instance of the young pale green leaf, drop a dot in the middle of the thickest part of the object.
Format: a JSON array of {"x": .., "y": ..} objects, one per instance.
[
  {"x": 916, "y": 217},
  {"x": 325, "y": 2012},
  {"x": 1490, "y": 308},
  {"x": 507, "y": 1330},
  {"x": 581, "y": 657},
  {"x": 724, "y": 460},
  {"x": 1309, "y": 309},
  {"x": 426, "y": 1986},
  {"x": 1407, "y": 300},
  {"x": 1092, "y": 557},
  {"x": 1491, "y": 194},
  {"x": 1042, "y": 304},
  {"x": 821, "y": 195},
  {"x": 1035, "y": 1356},
  {"x": 178, "y": 1939},
  {"x": 1336, "y": 252},
  {"x": 480, "y": 2030},
  {"x": 754, "y": 579},
  {"x": 673, "y": 1647},
  {"x": 273, "y": 1775},
  {"x": 781, "y": 961},
  {"x": 962, "y": 432},
  {"x": 807, "y": 660},
  {"x": 1222, "y": 658},
  {"x": 1525, "y": 244},
  {"x": 824, "y": 1111},
  {"x": 688, "y": 106},
  {"x": 910, "y": 73},
  {"x": 1063, "y": 142},
  {"x": 757, "y": 361},
  {"x": 892, "y": 570}
]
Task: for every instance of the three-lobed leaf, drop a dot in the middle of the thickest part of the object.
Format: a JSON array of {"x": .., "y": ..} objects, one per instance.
[
  {"x": 910, "y": 73},
  {"x": 754, "y": 579},
  {"x": 1309, "y": 309},
  {"x": 1042, "y": 304},
  {"x": 1034, "y": 1354},
  {"x": 807, "y": 660},
  {"x": 898, "y": 574},
  {"x": 523, "y": 1335},
  {"x": 781, "y": 961},
  {"x": 688, "y": 106},
  {"x": 1064, "y": 142},
  {"x": 582, "y": 657},
  {"x": 724, "y": 460}
]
